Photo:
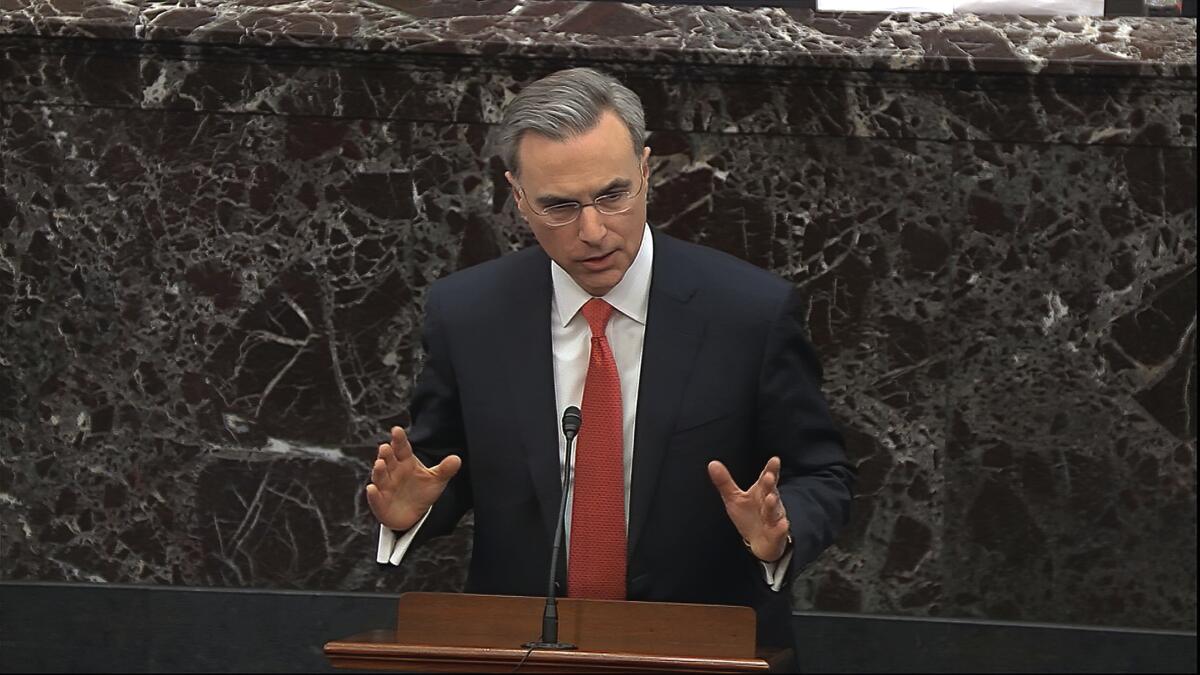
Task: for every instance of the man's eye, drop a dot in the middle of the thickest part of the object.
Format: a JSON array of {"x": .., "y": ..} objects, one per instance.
[
  {"x": 562, "y": 208},
  {"x": 612, "y": 197}
]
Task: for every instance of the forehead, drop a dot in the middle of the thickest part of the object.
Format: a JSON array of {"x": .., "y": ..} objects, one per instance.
[{"x": 587, "y": 161}]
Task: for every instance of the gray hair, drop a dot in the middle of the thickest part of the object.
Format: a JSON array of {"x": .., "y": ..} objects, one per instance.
[{"x": 566, "y": 104}]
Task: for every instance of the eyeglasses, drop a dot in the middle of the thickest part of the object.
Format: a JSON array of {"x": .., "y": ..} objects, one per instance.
[{"x": 611, "y": 204}]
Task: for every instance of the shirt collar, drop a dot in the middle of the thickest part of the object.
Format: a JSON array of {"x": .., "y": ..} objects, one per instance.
[{"x": 631, "y": 295}]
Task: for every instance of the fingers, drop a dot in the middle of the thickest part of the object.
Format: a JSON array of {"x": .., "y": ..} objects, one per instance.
[
  {"x": 379, "y": 473},
  {"x": 446, "y": 468},
  {"x": 401, "y": 448},
  {"x": 770, "y": 470},
  {"x": 721, "y": 479},
  {"x": 395, "y": 452},
  {"x": 772, "y": 510},
  {"x": 391, "y": 465},
  {"x": 376, "y": 502},
  {"x": 767, "y": 480}
]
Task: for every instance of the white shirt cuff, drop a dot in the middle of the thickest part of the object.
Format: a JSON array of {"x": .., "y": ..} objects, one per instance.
[
  {"x": 392, "y": 546},
  {"x": 777, "y": 571}
]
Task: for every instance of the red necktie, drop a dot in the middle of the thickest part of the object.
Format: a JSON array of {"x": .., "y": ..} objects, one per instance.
[{"x": 596, "y": 565}]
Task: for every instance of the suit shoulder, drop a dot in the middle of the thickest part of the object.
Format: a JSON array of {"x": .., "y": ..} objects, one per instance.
[
  {"x": 737, "y": 285},
  {"x": 488, "y": 281}
]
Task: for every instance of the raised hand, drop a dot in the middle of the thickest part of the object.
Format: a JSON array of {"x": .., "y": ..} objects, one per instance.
[
  {"x": 402, "y": 489},
  {"x": 757, "y": 513}
]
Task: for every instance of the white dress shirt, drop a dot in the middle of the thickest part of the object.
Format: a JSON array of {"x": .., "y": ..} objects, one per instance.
[{"x": 571, "y": 343}]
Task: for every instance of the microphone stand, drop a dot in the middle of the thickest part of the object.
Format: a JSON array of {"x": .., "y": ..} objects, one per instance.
[{"x": 571, "y": 422}]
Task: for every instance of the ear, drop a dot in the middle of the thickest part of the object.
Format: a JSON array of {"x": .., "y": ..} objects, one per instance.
[
  {"x": 516, "y": 195},
  {"x": 512, "y": 186}
]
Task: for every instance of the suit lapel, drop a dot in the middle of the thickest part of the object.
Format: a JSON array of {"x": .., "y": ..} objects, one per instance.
[
  {"x": 530, "y": 368},
  {"x": 674, "y": 332}
]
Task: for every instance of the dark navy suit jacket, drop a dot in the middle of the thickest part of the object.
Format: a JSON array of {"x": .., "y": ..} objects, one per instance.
[{"x": 727, "y": 374}]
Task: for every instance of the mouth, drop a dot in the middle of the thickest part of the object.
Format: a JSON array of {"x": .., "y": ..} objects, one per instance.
[{"x": 598, "y": 262}]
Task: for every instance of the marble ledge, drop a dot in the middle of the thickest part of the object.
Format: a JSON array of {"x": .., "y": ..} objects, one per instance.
[{"x": 611, "y": 31}]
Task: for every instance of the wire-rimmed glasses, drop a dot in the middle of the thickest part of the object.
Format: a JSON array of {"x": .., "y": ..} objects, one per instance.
[{"x": 610, "y": 204}]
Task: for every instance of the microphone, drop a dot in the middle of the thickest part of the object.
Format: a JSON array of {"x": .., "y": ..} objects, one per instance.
[{"x": 571, "y": 421}]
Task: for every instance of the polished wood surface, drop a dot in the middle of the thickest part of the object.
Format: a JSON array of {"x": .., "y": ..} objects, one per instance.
[{"x": 449, "y": 632}]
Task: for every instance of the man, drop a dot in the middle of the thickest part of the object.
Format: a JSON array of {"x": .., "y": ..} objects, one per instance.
[{"x": 690, "y": 368}]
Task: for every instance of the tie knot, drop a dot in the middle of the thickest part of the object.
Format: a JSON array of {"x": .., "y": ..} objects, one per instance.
[{"x": 597, "y": 312}]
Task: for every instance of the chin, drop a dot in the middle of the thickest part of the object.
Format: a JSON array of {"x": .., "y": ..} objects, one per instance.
[{"x": 599, "y": 283}]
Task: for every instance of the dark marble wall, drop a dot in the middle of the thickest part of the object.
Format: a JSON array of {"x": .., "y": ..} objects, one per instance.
[{"x": 216, "y": 233}]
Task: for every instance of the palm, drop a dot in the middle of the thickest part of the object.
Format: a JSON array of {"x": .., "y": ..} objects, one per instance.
[
  {"x": 757, "y": 512},
  {"x": 402, "y": 488}
]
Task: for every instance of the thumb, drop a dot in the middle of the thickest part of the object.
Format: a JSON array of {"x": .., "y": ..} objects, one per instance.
[
  {"x": 721, "y": 479},
  {"x": 447, "y": 468}
]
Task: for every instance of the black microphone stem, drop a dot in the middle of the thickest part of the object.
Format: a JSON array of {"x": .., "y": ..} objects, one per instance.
[
  {"x": 571, "y": 422},
  {"x": 550, "y": 616}
]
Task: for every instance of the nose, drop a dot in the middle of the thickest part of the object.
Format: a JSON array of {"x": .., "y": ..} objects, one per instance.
[{"x": 591, "y": 225}]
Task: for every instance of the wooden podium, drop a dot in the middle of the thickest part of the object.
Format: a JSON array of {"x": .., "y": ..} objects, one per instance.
[{"x": 452, "y": 632}]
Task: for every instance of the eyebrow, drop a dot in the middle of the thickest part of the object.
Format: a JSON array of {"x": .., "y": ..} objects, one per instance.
[{"x": 553, "y": 200}]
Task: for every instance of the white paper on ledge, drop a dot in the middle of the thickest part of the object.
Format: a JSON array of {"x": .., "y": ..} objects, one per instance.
[
  {"x": 1070, "y": 7},
  {"x": 1057, "y": 7},
  {"x": 934, "y": 6}
]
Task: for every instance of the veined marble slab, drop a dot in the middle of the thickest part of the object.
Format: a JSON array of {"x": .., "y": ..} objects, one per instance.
[{"x": 767, "y": 36}]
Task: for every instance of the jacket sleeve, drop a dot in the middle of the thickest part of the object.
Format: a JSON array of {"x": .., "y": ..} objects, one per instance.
[
  {"x": 436, "y": 430},
  {"x": 816, "y": 480}
]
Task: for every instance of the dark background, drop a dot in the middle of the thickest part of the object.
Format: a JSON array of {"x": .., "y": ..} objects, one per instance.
[
  {"x": 217, "y": 225},
  {"x": 144, "y": 629}
]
